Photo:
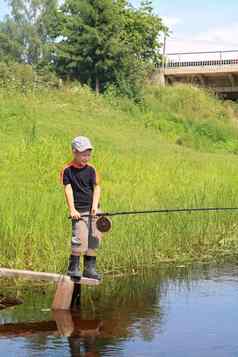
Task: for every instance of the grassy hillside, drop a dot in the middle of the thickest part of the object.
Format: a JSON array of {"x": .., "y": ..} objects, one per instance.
[
  {"x": 193, "y": 117},
  {"x": 141, "y": 167}
]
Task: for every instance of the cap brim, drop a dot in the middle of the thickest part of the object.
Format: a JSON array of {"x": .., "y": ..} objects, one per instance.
[{"x": 84, "y": 149}]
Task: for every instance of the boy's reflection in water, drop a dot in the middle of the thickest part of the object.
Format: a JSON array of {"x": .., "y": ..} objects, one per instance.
[
  {"x": 82, "y": 334},
  {"x": 116, "y": 312}
]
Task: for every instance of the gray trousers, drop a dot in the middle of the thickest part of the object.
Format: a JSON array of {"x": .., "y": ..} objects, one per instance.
[{"x": 85, "y": 237}]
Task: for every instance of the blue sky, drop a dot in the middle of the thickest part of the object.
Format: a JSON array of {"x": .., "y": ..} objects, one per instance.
[{"x": 203, "y": 25}]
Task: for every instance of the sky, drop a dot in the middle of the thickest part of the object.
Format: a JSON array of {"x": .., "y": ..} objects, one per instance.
[{"x": 204, "y": 25}]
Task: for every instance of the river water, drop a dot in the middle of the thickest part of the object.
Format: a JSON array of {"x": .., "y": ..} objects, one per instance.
[{"x": 171, "y": 311}]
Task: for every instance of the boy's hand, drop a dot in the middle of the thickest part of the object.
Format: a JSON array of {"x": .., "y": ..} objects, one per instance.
[
  {"x": 93, "y": 211},
  {"x": 74, "y": 214}
]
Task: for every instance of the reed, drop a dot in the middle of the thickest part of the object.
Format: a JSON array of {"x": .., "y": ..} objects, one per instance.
[{"x": 140, "y": 168}]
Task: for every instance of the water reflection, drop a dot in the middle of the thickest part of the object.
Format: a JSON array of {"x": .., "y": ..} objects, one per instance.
[
  {"x": 168, "y": 312},
  {"x": 119, "y": 309}
]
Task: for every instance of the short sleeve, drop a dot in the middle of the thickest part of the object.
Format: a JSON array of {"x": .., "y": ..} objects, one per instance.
[
  {"x": 65, "y": 177},
  {"x": 95, "y": 177}
]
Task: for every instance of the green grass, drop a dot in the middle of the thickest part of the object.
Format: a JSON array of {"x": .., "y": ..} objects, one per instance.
[
  {"x": 140, "y": 168},
  {"x": 192, "y": 117}
]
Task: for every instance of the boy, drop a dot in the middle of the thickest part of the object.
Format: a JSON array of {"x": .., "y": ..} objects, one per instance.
[{"x": 82, "y": 193}]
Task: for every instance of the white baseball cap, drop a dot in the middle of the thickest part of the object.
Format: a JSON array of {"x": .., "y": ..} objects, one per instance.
[{"x": 81, "y": 143}]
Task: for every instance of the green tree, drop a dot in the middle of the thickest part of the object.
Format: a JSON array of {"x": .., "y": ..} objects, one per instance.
[
  {"x": 10, "y": 44},
  {"x": 102, "y": 42},
  {"x": 99, "y": 42},
  {"x": 90, "y": 46},
  {"x": 141, "y": 41},
  {"x": 25, "y": 33},
  {"x": 142, "y": 29}
]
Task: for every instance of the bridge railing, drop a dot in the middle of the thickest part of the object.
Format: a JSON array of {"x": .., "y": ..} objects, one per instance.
[{"x": 172, "y": 64}]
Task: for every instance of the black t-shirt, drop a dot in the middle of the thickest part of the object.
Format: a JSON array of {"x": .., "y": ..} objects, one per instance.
[{"x": 82, "y": 181}]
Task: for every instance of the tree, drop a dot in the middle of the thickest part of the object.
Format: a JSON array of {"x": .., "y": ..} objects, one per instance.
[
  {"x": 98, "y": 42},
  {"x": 26, "y": 31},
  {"x": 101, "y": 42},
  {"x": 10, "y": 44},
  {"x": 142, "y": 29},
  {"x": 141, "y": 41},
  {"x": 90, "y": 46}
]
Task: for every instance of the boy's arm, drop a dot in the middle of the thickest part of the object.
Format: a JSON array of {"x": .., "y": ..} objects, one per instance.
[
  {"x": 70, "y": 202},
  {"x": 96, "y": 198}
]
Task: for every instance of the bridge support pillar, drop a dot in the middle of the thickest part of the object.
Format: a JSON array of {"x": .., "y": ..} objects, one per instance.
[
  {"x": 201, "y": 80},
  {"x": 231, "y": 79},
  {"x": 158, "y": 77}
]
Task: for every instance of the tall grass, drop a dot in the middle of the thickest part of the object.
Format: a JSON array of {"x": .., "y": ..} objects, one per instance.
[
  {"x": 139, "y": 167},
  {"x": 192, "y": 117}
]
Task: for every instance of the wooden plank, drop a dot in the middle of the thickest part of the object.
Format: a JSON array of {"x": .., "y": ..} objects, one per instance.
[
  {"x": 35, "y": 275},
  {"x": 64, "y": 322},
  {"x": 63, "y": 296}
]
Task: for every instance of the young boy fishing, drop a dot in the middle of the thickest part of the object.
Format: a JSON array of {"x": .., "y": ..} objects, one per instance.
[{"x": 82, "y": 193}]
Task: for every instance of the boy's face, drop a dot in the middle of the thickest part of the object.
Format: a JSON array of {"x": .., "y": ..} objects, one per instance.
[{"x": 82, "y": 157}]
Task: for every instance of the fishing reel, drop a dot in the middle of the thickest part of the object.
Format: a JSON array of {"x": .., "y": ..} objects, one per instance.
[{"x": 103, "y": 224}]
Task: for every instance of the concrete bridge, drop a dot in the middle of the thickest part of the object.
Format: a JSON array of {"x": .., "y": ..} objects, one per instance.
[{"x": 217, "y": 70}]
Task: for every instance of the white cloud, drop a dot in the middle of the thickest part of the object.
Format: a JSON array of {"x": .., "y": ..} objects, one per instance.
[
  {"x": 171, "y": 21},
  {"x": 215, "y": 39}
]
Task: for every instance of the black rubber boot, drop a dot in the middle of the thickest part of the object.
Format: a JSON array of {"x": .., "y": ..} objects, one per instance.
[
  {"x": 90, "y": 268},
  {"x": 73, "y": 268}
]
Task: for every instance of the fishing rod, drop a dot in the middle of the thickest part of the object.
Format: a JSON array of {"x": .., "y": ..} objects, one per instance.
[
  {"x": 166, "y": 210},
  {"x": 104, "y": 224}
]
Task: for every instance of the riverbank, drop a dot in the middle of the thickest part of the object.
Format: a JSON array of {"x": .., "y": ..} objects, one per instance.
[{"x": 141, "y": 166}]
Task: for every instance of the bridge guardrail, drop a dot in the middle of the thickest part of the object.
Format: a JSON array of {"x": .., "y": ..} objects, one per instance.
[{"x": 172, "y": 64}]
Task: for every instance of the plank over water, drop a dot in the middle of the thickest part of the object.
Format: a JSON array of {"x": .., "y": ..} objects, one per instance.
[{"x": 36, "y": 275}]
